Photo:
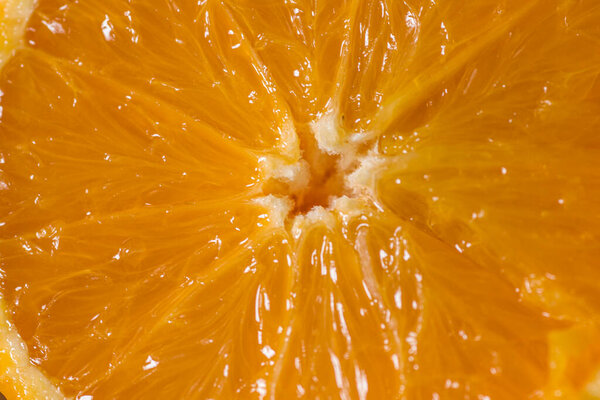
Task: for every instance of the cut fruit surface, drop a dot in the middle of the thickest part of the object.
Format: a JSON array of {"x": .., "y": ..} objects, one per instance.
[{"x": 270, "y": 199}]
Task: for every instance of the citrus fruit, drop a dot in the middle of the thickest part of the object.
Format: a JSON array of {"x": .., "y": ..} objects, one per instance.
[{"x": 281, "y": 199}]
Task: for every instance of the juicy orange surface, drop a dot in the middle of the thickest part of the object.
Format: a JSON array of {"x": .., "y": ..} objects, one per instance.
[{"x": 326, "y": 199}]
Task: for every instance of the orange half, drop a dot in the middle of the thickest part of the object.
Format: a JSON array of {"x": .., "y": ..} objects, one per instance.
[{"x": 293, "y": 199}]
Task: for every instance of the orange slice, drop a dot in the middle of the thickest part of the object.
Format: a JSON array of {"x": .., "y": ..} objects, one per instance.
[{"x": 274, "y": 199}]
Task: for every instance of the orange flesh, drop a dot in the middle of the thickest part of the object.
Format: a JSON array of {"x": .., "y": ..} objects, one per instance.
[{"x": 304, "y": 199}]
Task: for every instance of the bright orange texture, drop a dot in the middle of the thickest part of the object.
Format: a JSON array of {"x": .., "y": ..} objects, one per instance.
[{"x": 461, "y": 140}]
